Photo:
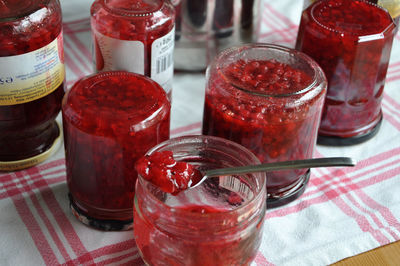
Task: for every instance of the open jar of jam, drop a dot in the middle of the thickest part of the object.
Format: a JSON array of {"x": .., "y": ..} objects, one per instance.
[
  {"x": 217, "y": 223},
  {"x": 269, "y": 99},
  {"x": 351, "y": 41},
  {"x": 31, "y": 81},
  {"x": 110, "y": 120},
  {"x": 136, "y": 36}
]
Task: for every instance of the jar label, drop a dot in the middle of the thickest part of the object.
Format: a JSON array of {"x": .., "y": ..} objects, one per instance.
[
  {"x": 115, "y": 54},
  {"x": 31, "y": 76},
  {"x": 233, "y": 183},
  {"x": 162, "y": 63}
]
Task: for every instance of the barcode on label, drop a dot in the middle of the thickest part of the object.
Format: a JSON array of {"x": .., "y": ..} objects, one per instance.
[
  {"x": 163, "y": 63},
  {"x": 234, "y": 184}
]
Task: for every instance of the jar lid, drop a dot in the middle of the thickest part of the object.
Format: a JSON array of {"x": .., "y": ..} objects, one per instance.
[
  {"x": 116, "y": 96},
  {"x": 11, "y": 10},
  {"x": 132, "y": 7}
]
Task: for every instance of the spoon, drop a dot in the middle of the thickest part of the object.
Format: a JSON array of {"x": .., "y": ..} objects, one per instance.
[{"x": 296, "y": 164}]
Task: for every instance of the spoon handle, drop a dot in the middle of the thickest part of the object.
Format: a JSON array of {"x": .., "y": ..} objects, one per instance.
[{"x": 297, "y": 164}]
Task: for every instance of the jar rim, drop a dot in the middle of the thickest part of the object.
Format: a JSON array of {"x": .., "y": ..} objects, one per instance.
[
  {"x": 140, "y": 12},
  {"x": 318, "y": 73},
  {"x": 204, "y": 139},
  {"x": 314, "y": 6},
  {"x": 29, "y": 7}
]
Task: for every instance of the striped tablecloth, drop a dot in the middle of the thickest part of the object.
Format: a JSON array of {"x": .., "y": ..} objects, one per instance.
[{"x": 342, "y": 213}]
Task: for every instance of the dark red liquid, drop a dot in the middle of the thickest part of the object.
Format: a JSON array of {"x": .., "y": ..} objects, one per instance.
[
  {"x": 170, "y": 176},
  {"x": 267, "y": 124},
  {"x": 338, "y": 34},
  {"x": 29, "y": 129},
  {"x": 232, "y": 251},
  {"x": 142, "y": 20},
  {"x": 107, "y": 127}
]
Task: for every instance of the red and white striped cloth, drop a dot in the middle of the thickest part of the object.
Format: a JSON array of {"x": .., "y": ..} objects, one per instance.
[{"x": 344, "y": 211}]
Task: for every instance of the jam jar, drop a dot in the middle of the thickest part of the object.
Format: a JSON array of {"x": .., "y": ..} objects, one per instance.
[
  {"x": 219, "y": 222},
  {"x": 110, "y": 120},
  {"x": 136, "y": 36},
  {"x": 31, "y": 81},
  {"x": 269, "y": 99},
  {"x": 354, "y": 40}
]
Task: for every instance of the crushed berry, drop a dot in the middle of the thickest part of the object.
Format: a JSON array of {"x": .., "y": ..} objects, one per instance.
[{"x": 161, "y": 169}]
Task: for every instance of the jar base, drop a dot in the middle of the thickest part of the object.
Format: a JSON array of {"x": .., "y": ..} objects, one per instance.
[
  {"x": 8, "y": 166},
  {"x": 283, "y": 198},
  {"x": 338, "y": 141},
  {"x": 101, "y": 224}
]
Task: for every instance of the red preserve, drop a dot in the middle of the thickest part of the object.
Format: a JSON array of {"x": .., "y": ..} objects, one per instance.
[
  {"x": 110, "y": 120},
  {"x": 31, "y": 81},
  {"x": 217, "y": 223},
  {"x": 351, "y": 41},
  {"x": 269, "y": 99},
  {"x": 136, "y": 36}
]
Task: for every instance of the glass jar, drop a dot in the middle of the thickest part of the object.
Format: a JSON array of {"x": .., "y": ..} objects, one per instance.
[
  {"x": 354, "y": 42},
  {"x": 217, "y": 223},
  {"x": 269, "y": 99},
  {"x": 135, "y": 36},
  {"x": 31, "y": 81},
  {"x": 110, "y": 120}
]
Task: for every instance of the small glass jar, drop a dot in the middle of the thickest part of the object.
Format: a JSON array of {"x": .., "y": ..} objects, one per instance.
[
  {"x": 31, "y": 81},
  {"x": 269, "y": 99},
  {"x": 218, "y": 223},
  {"x": 110, "y": 120},
  {"x": 135, "y": 36},
  {"x": 354, "y": 40}
]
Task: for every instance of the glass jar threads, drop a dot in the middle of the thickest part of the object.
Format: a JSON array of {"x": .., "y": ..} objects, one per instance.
[
  {"x": 218, "y": 223},
  {"x": 354, "y": 40},
  {"x": 269, "y": 99},
  {"x": 135, "y": 36},
  {"x": 31, "y": 81},
  {"x": 110, "y": 120}
]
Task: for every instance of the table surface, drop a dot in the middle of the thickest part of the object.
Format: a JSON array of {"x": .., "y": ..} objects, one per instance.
[{"x": 344, "y": 212}]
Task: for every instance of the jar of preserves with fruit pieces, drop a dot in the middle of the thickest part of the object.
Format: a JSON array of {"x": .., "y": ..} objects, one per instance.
[
  {"x": 219, "y": 222},
  {"x": 31, "y": 81},
  {"x": 136, "y": 36},
  {"x": 269, "y": 99},
  {"x": 354, "y": 42},
  {"x": 110, "y": 120}
]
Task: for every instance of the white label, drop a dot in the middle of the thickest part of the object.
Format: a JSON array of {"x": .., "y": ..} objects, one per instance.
[
  {"x": 115, "y": 54},
  {"x": 234, "y": 184},
  {"x": 162, "y": 64},
  {"x": 31, "y": 76}
]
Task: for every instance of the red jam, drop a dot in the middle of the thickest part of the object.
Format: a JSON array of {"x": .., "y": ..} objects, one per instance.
[
  {"x": 170, "y": 176},
  {"x": 270, "y": 107},
  {"x": 351, "y": 41},
  {"x": 31, "y": 86},
  {"x": 136, "y": 36},
  {"x": 110, "y": 120}
]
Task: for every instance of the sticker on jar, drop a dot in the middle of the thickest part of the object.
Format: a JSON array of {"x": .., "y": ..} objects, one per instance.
[
  {"x": 162, "y": 64},
  {"x": 31, "y": 76},
  {"x": 115, "y": 54},
  {"x": 234, "y": 184}
]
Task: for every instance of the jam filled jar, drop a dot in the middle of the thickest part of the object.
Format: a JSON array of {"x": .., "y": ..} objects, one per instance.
[
  {"x": 136, "y": 36},
  {"x": 269, "y": 99},
  {"x": 110, "y": 120},
  {"x": 351, "y": 41},
  {"x": 31, "y": 81},
  {"x": 219, "y": 222}
]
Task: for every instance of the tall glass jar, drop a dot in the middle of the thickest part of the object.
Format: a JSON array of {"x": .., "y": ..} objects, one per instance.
[
  {"x": 135, "y": 36},
  {"x": 110, "y": 120},
  {"x": 218, "y": 223},
  {"x": 354, "y": 40},
  {"x": 31, "y": 81},
  {"x": 269, "y": 99}
]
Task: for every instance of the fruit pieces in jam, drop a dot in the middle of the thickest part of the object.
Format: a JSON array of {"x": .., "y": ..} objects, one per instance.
[
  {"x": 110, "y": 120},
  {"x": 163, "y": 171},
  {"x": 260, "y": 104},
  {"x": 351, "y": 41}
]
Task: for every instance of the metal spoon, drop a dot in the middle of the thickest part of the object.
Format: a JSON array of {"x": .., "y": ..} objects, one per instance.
[{"x": 297, "y": 164}]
